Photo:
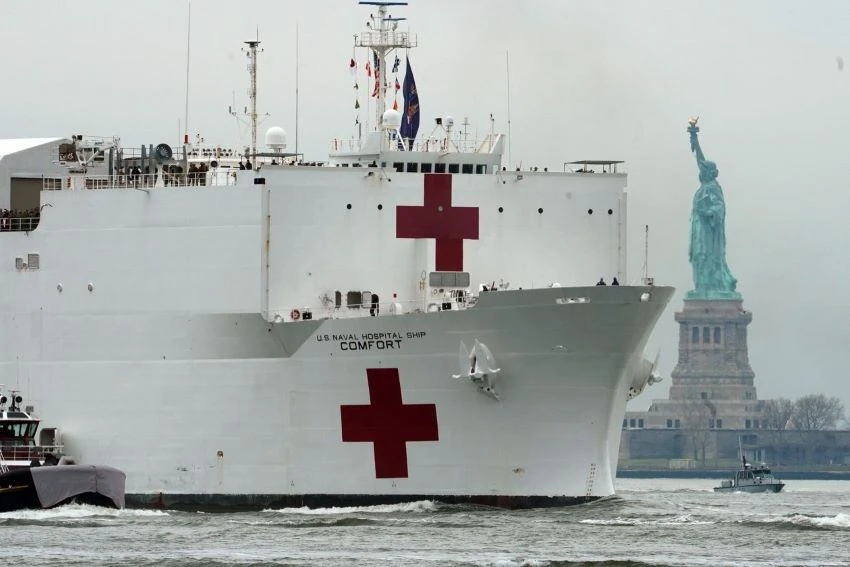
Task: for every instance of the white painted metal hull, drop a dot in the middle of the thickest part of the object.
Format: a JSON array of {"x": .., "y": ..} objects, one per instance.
[{"x": 554, "y": 432}]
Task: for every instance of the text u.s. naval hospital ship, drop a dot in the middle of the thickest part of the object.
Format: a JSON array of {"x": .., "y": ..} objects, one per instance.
[{"x": 405, "y": 321}]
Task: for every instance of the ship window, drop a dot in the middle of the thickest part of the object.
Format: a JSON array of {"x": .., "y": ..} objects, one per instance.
[
  {"x": 695, "y": 335},
  {"x": 439, "y": 168},
  {"x": 719, "y": 424},
  {"x": 32, "y": 261},
  {"x": 716, "y": 335},
  {"x": 412, "y": 167},
  {"x": 748, "y": 424},
  {"x": 398, "y": 166},
  {"x": 640, "y": 423},
  {"x": 706, "y": 334},
  {"x": 678, "y": 423},
  {"x": 748, "y": 396},
  {"x": 454, "y": 168},
  {"x": 669, "y": 424},
  {"x": 711, "y": 424},
  {"x": 631, "y": 423},
  {"x": 703, "y": 395},
  {"x": 480, "y": 168},
  {"x": 755, "y": 424},
  {"x": 337, "y": 299},
  {"x": 625, "y": 423},
  {"x": 466, "y": 168},
  {"x": 448, "y": 279},
  {"x": 426, "y": 168},
  {"x": 352, "y": 299}
]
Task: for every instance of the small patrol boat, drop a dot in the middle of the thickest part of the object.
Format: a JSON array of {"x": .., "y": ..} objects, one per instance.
[
  {"x": 751, "y": 479},
  {"x": 40, "y": 475}
]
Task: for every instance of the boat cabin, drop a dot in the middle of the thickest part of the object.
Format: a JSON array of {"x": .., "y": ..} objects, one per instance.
[{"x": 18, "y": 426}]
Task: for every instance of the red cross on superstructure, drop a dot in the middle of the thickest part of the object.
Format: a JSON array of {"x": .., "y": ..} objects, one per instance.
[
  {"x": 388, "y": 423},
  {"x": 450, "y": 226}
]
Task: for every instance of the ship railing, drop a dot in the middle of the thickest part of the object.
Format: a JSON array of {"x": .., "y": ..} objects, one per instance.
[
  {"x": 387, "y": 38},
  {"x": 433, "y": 144},
  {"x": 19, "y": 223},
  {"x": 143, "y": 180},
  {"x": 384, "y": 308},
  {"x": 29, "y": 452}
]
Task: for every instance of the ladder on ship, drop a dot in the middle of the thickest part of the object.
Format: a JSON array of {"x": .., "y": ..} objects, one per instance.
[{"x": 3, "y": 467}]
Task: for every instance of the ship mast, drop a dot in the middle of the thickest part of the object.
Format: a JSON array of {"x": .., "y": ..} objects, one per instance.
[
  {"x": 382, "y": 38},
  {"x": 251, "y": 52}
]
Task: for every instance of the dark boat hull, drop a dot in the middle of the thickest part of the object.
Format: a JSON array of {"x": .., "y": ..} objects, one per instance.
[
  {"x": 50, "y": 486},
  {"x": 764, "y": 487}
]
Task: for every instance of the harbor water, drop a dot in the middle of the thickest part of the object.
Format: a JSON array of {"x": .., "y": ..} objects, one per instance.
[{"x": 652, "y": 522}]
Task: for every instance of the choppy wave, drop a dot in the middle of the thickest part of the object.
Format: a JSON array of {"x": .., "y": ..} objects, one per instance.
[
  {"x": 839, "y": 522},
  {"x": 566, "y": 563},
  {"x": 80, "y": 515},
  {"x": 665, "y": 521},
  {"x": 408, "y": 507}
]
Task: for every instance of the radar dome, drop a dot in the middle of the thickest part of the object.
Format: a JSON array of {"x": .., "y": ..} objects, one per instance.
[
  {"x": 392, "y": 120},
  {"x": 276, "y": 139},
  {"x": 449, "y": 121}
]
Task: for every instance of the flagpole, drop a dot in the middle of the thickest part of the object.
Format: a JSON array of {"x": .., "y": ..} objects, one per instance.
[
  {"x": 296, "y": 91},
  {"x": 188, "y": 44},
  {"x": 508, "y": 69}
]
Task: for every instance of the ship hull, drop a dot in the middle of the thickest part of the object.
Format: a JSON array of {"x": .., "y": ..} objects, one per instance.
[
  {"x": 772, "y": 487},
  {"x": 193, "y": 424}
]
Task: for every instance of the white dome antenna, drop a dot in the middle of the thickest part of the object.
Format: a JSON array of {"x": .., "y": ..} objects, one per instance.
[
  {"x": 276, "y": 139},
  {"x": 391, "y": 120}
]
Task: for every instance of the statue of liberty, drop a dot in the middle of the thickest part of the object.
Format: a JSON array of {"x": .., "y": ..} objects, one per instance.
[{"x": 707, "y": 252}]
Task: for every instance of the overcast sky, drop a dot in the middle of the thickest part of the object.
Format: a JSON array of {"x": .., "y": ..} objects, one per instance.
[{"x": 588, "y": 79}]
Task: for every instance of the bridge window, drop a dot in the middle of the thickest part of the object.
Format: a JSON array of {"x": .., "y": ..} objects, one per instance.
[
  {"x": 678, "y": 423},
  {"x": 337, "y": 299},
  {"x": 631, "y": 423},
  {"x": 625, "y": 423},
  {"x": 466, "y": 168},
  {"x": 748, "y": 424},
  {"x": 719, "y": 424},
  {"x": 353, "y": 299},
  {"x": 454, "y": 168},
  {"x": 480, "y": 168},
  {"x": 669, "y": 424},
  {"x": 640, "y": 423},
  {"x": 439, "y": 168},
  {"x": 399, "y": 167},
  {"x": 716, "y": 335},
  {"x": 706, "y": 334},
  {"x": 426, "y": 168},
  {"x": 695, "y": 335},
  {"x": 412, "y": 167}
]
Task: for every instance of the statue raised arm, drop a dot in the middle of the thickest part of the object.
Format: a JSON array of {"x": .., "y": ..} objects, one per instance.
[
  {"x": 707, "y": 251},
  {"x": 693, "y": 129}
]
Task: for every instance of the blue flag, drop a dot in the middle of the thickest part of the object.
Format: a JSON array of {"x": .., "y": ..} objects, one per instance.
[{"x": 410, "y": 116}]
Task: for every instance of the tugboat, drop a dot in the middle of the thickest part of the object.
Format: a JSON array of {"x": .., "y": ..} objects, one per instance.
[
  {"x": 749, "y": 479},
  {"x": 40, "y": 475}
]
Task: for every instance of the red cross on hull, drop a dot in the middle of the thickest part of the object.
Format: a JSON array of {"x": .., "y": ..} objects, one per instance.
[
  {"x": 388, "y": 423},
  {"x": 438, "y": 219}
]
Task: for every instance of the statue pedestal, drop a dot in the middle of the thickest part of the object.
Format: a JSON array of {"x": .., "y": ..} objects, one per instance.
[
  {"x": 713, "y": 354},
  {"x": 713, "y": 295}
]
